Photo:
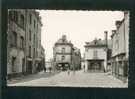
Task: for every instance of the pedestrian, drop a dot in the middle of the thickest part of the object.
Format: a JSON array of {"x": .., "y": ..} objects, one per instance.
[
  {"x": 68, "y": 71},
  {"x": 84, "y": 68},
  {"x": 44, "y": 69},
  {"x": 49, "y": 69},
  {"x": 104, "y": 70}
]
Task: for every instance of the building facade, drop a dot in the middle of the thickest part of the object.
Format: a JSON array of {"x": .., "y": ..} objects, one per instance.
[
  {"x": 33, "y": 41},
  {"x": 24, "y": 41},
  {"x": 65, "y": 55},
  {"x": 95, "y": 56},
  {"x": 62, "y": 53},
  {"x": 120, "y": 48},
  {"x": 16, "y": 42},
  {"x": 76, "y": 59}
]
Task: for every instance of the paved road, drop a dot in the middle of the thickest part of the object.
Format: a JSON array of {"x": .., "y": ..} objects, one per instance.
[{"x": 77, "y": 79}]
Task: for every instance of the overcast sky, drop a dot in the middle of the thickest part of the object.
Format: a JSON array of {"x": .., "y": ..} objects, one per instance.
[{"x": 79, "y": 26}]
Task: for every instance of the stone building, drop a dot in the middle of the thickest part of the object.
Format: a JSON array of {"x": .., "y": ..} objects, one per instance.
[
  {"x": 76, "y": 59},
  {"x": 62, "y": 53},
  {"x": 95, "y": 55},
  {"x": 33, "y": 41},
  {"x": 43, "y": 66},
  {"x": 65, "y": 55},
  {"x": 24, "y": 41},
  {"x": 16, "y": 42},
  {"x": 120, "y": 48}
]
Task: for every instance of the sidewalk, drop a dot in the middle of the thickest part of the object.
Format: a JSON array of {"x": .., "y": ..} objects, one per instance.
[{"x": 30, "y": 77}]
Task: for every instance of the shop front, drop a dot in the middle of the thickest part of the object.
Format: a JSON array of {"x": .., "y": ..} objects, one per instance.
[{"x": 96, "y": 65}]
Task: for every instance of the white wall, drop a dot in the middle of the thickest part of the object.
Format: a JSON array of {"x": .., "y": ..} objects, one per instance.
[
  {"x": 101, "y": 54},
  {"x": 59, "y": 58},
  {"x": 58, "y": 48}
]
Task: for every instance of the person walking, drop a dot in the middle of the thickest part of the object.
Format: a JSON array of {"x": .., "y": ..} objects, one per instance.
[
  {"x": 84, "y": 68},
  {"x": 44, "y": 69},
  {"x": 68, "y": 71}
]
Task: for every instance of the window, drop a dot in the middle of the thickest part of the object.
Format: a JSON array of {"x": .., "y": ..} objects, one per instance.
[
  {"x": 34, "y": 52},
  {"x": 30, "y": 35},
  {"x": 30, "y": 18},
  {"x": 14, "y": 39},
  {"x": 22, "y": 21},
  {"x": 37, "y": 28},
  {"x": 95, "y": 54},
  {"x": 15, "y": 16},
  {"x": 34, "y": 23},
  {"x": 13, "y": 64},
  {"x": 63, "y": 50},
  {"x": 63, "y": 58},
  {"x": 34, "y": 38},
  {"x": 10, "y": 15},
  {"x": 23, "y": 64},
  {"x": 29, "y": 51},
  {"x": 21, "y": 42}
]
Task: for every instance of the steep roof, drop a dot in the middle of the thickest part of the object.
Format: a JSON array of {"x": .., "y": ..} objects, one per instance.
[
  {"x": 98, "y": 43},
  {"x": 63, "y": 40}
]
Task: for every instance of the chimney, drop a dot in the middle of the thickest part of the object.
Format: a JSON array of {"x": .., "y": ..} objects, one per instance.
[
  {"x": 113, "y": 32},
  {"x": 118, "y": 23},
  {"x": 106, "y": 38}
]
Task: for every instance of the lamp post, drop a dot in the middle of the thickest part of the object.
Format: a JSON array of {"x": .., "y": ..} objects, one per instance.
[{"x": 106, "y": 49}]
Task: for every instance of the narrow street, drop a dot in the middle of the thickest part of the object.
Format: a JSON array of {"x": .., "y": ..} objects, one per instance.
[{"x": 74, "y": 79}]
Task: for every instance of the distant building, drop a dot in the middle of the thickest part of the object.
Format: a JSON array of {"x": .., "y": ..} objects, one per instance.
[
  {"x": 49, "y": 64},
  {"x": 95, "y": 56},
  {"x": 97, "y": 53},
  {"x": 76, "y": 59},
  {"x": 24, "y": 42},
  {"x": 66, "y": 56},
  {"x": 120, "y": 48},
  {"x": 62, "y": 53}
]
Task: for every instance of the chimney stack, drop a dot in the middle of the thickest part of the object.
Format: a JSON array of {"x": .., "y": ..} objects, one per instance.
[
  {"x": 106, "y": 38},
  {"x": 118, "y": 23},
  {"x": 113, "y": 31}
]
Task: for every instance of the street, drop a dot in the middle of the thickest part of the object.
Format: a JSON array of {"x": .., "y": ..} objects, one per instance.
[{"x": 73, "y": 79}]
